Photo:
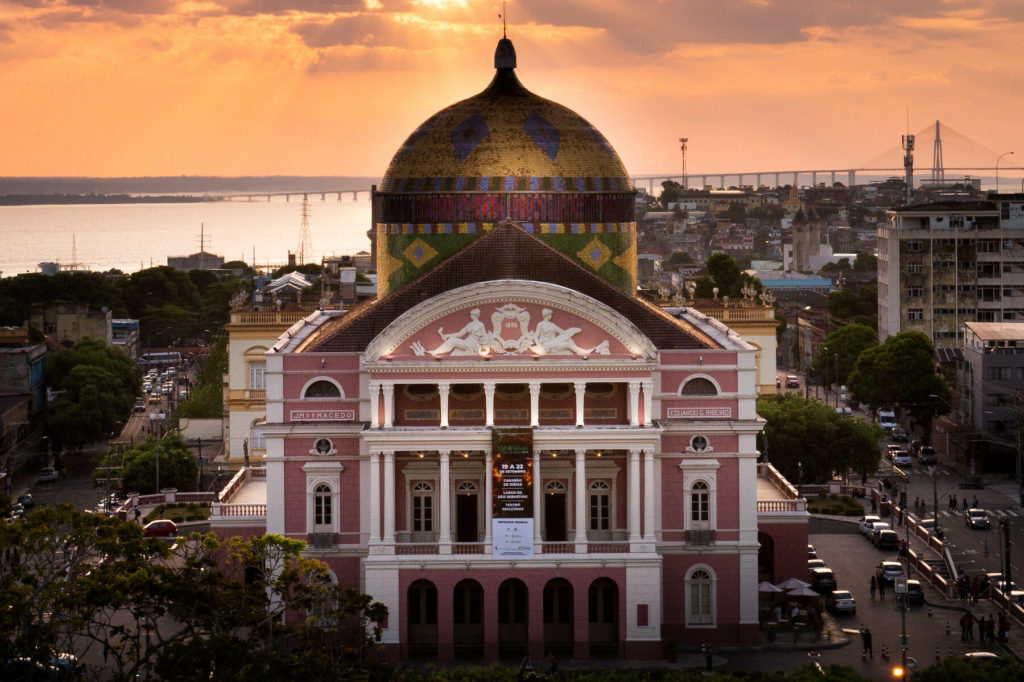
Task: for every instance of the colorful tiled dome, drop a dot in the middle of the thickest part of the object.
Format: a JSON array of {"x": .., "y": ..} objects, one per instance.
[{"x": 505, "y": 153}]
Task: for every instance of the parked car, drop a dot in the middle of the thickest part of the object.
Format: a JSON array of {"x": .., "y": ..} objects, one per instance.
[
  {"x": 811, "y": 552},
  {"x": 815, "y": 563},
  {"x": 887, "y": 571},
  {"x": 161, "y": 528},
  {"x": 887, "y": 540},
  {"x": 927, "y": 455},
  {"x": 976, "y": 518},
  {"x": 866, "y": 522},
  {"x": 915, "y": 593},
  {"x": 841, "y": 601},
  {"x": 902, "y": 458},
  {"x": 792, "y": 381},
  {"x": 48, "y": 475},
  {"x": 877, "y": 528},
  {"x": 822, "y": 580}
]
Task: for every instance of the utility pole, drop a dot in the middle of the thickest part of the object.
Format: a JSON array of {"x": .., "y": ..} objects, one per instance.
[{"x": 682, "y": 149}]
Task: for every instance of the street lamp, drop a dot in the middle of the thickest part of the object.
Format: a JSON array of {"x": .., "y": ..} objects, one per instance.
[
  {"x": 997, "y": 168},
  {"x": 155, "y": 419}
]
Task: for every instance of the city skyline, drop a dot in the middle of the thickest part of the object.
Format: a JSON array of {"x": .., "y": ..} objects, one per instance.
[{"x": 333, "y": 87}]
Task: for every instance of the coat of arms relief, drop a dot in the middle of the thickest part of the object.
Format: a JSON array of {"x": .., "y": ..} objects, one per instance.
[{"x": 510, "y": 334}]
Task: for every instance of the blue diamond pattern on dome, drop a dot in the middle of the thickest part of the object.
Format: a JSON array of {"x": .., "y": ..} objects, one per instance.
[
  {"x": 468, "y": 134},
  {"x": 543, "y": 133}
]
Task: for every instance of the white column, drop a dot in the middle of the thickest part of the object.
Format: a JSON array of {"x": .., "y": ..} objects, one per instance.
[
  {"x": 374, "y": 405},
  {"x": 389, "y": 404},
  {"x": 538, "y": 495},
  {"x": 389, "y": 498},
  {"x": 634, "y": 403},
  {"x": 634, "y": 495},
  {"x": 374, "y": 497},
  {"x": 534, "y": 403},
  {"x": 581, "y": 389},
  {"x": 445, "y": 537},
  {"x": 649, "y": 496},
  {"x": 581, "y": 501},
  {"x": 488, "y": 496},
  {"x": 648, "y": 385},
  {"x": 489, "y": 400},
  {"x": 444, "y": 388}
]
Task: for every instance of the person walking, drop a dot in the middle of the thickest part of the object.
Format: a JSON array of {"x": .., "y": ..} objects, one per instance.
[
  {"x": 970, "y": 625},
  {"x": 965, "y": 503},
  {"x": 874, "y": 587},
  {"x": 865, "y": 636},
  {"x": 881, "y": 588}
]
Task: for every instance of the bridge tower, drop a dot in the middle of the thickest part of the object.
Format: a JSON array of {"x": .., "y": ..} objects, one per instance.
[
  {"x": 305, "y": 240},
  {"x": 682, "y": 148},
  {"x": 938, "y": 173},
  {"x": 908, "y": 165}
]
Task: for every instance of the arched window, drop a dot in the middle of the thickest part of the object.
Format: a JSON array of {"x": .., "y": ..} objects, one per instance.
[
  {"x": 700, "y": 598},
  {"x": 322, "y": 389},
  {"x": 700, "y": 502},
  {"x": 698, "y": 386},
  {"x": 323, "y": 505}
]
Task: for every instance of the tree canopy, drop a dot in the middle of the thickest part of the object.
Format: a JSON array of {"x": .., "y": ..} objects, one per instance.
[
  {"x": 178, "y": 468},
  {"x": 855, "y": 306},
  {"x": 247, "y": 609},
  {"x": 809, "y": 436},
  {"x": 840, "y": 351},
  {"x": 901, "y": 373}
]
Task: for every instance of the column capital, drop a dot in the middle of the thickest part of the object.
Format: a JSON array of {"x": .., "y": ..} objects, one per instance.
[
  {"x": 534, "y": 385},
  {"x": 489, "y": 386},
  {"x": 388, "y": 386},
  {"x": 444, "y": 386},
  {"x": 579, "y": 385},
  {"x": 580, "y": 452}
]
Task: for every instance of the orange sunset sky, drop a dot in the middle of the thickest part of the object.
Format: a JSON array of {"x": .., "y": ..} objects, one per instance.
[{"x": 333, "y": 87}]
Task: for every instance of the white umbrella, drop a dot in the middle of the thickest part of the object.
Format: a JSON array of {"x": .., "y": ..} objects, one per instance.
[
  {"x": 802, "y": 592},
  {"x": 793, "y": 582},
  {"x": 768, "y": 587}
]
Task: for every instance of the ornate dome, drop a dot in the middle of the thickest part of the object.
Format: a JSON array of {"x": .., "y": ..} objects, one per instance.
[{"x": 505, "y": 153}]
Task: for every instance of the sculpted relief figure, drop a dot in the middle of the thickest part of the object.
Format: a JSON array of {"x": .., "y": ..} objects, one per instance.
[{"x": 474, "y": 339}]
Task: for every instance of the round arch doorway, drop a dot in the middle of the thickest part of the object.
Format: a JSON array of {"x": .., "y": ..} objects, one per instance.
[
  {"x": 467, "y": 619},
  {"x": 558, "y": 617},
  {"x": 603, "y": 614},
  {"x": 421, "y": 607},
  {"x": 513, "y": 618}
]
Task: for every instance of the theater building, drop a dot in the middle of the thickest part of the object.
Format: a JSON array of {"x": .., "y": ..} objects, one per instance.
[{"x": 508, "y": 448}]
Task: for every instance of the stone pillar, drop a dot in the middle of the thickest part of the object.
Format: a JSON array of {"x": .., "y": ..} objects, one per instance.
[
  {"x": 389, "y": 404},
  {"x": 580, "y": 495},
  {"x": 649, "y": 497},
  {"x": 648, "y": 386},
  {"x": 538, "y": 496},
  {"x": 488, "y": 496},
  {"x": 444, "y": 388},
  {"x": 634, "y": 496},
  {"x": 534, "y": 403},
  {"x": 634, "y": 403},
  {"x": 489, "y": 400},
  {"x": 374, "y": 405},
  {"x": 374, "y": 497},
  {"x": 445, "y": 511},
  {"x": 389, "y": 498},
  {"x": 581, "y": 389}
]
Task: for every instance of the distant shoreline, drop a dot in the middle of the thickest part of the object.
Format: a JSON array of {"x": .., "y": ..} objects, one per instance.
[{"x": 69, "y": 199}]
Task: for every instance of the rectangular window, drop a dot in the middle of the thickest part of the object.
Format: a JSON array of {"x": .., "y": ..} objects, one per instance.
[
  {"x": 915, "y": 292},
  {"x": 699, "y": 506},
  {"x": 256, "y": 370},
  {"x": 915, "y": 313},
  {"x": 599, "y": 511},
  {"x": 914, "y": 245},
  {"x": 700, "y": 603},
  {"x": 422, "y": 513},
  {"x": 915, "y": 268}
]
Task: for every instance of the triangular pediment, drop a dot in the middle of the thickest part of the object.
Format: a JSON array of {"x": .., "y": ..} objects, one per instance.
[{"x": 507, "y": 252}]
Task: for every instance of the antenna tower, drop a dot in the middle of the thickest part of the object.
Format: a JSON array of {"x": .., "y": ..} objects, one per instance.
[
  {"x": 202, "y": 245},
  {"x": 938, "y": 173},
  {"x": 682, "y": 150},
  {"x": 908, "y": 164},
  {"x": 305, "y": 240}
]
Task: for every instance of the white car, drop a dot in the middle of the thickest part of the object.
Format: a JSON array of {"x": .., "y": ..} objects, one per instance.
[
  {"x": 48, "y": 475},
  {"x": 866, "y": 522},
  {"x": 902, "y": 459}
]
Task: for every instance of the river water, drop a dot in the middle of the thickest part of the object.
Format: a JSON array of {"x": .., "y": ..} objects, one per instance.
[{"x": 130, "y": 237}]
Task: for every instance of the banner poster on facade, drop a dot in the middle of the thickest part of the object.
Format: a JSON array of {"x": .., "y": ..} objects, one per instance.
[{"x": 512, "y": 505}]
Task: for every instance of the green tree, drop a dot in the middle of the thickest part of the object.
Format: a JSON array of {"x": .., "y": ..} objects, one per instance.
[
  {"x": 676, "y": 260},
  {"x": 859, "y": 306},
  {"x": 845, "y": 343},
  {"x": 178, "y": 468},
  {"x": 206, "y": 398},
  {"x": 865, "y": 262},
  {"x": 670, "y": 192},
  {"x": 810, "y": 437}
]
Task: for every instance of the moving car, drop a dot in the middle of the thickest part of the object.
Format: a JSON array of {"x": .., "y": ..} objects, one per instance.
[
  {"x": 887, "y": 571},
  {"x": 976, "y": 518},
  {"x": 915, "y": 593},
  {"x": 822, "y": 580},
  {"x": 891, "y": 449},
  {"x": 927, "y": 455},
  {"x": 48, "y": 475},
  {"x": 887, "y": 419},
  {"x": 792, "y": 381},
  {"x": 140, "y": 405},
  {"x": 902, "y": 458},
  {"x": 841, "y": 601},
  {"x": 161, "y": 528},
  {"x": 900, "y": 436},
  {"x": 811, "y": 552}
]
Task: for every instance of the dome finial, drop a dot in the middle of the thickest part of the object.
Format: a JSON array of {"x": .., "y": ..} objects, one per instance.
[{"x": 505, "y": 54}]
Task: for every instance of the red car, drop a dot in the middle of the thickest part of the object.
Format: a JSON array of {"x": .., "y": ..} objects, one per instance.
[{"x": 161, "y": 528}]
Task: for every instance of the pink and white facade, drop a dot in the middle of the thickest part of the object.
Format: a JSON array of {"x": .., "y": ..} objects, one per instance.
[{"x": 639, "y": 514}]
